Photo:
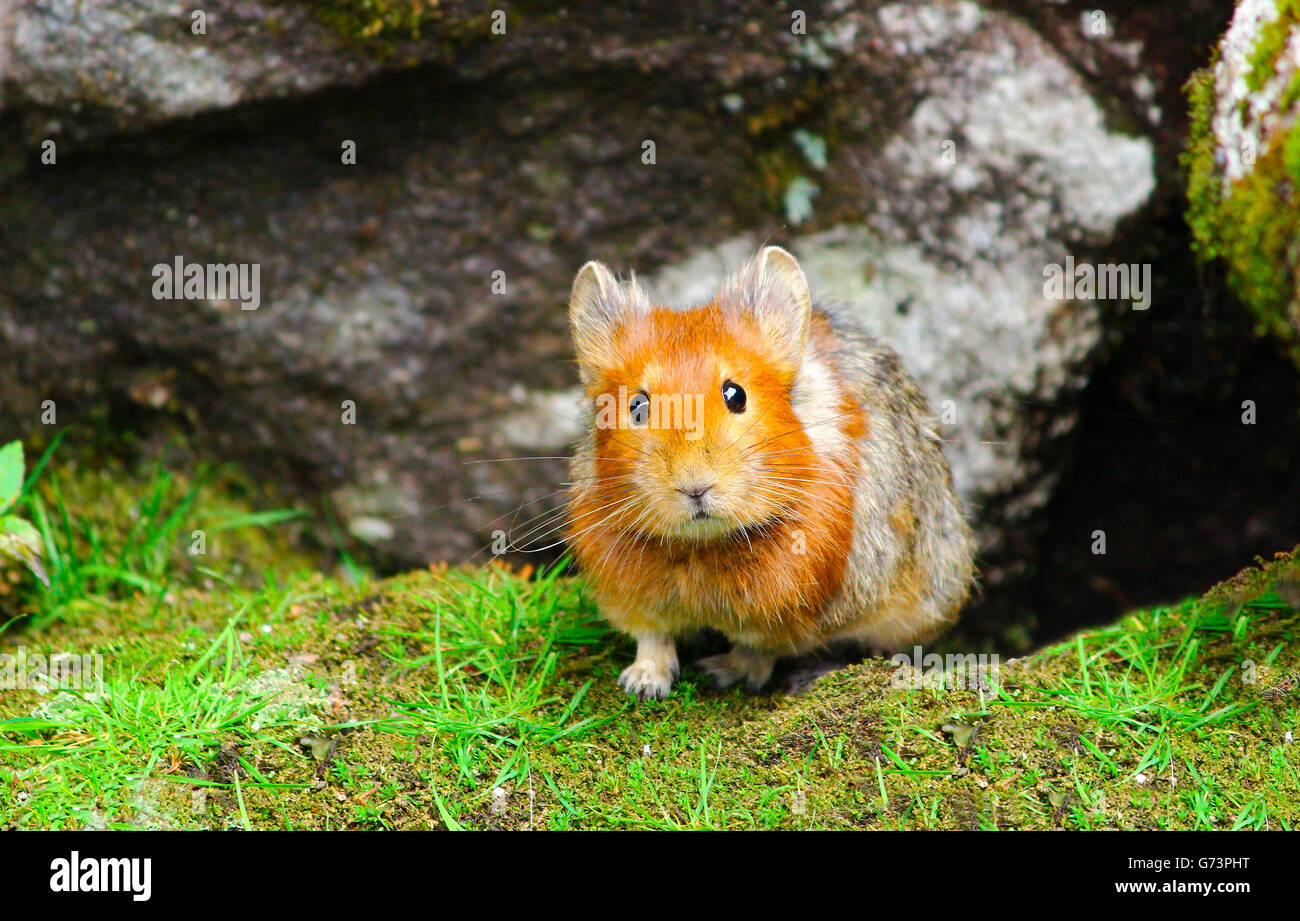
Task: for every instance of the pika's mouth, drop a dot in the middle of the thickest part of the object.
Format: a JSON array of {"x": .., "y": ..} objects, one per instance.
[{"x": 706, "y": 526}]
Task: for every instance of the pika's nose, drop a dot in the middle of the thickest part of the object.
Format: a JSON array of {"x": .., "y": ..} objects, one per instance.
[{"x": 696, "y": 491}]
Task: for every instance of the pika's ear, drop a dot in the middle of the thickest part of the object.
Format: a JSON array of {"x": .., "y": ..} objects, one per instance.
[
  {"x": 777, "y": 291},
  {"x": 598, "y": 305}
]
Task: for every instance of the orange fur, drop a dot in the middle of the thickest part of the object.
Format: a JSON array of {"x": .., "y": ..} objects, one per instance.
[
  {"x": 768, "y": 579},
  {"x": 793, "y": 495}
]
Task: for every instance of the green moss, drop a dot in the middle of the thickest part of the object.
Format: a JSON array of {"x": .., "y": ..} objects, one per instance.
[
  {"x": 1272, "y": 42},
  {"x": 487, "y": 699},
  {"x": 374, "y": 20},
  {"x": 384, "y": 28},
  {"x": 1255, "y": 227},
  {"x": 770, "y": 174},
  {"x": 387, "y": 28},
  {"x": 778, "y": 160}
]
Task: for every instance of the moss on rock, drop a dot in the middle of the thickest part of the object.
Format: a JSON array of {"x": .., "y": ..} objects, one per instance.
[
  {"x": 1243, "y": 171},
  {"x": 388, "y": 29},
  {"x": 371, "y": 20}
]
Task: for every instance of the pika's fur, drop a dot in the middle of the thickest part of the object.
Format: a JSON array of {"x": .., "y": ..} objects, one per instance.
[{"x": 760, "y": 466}]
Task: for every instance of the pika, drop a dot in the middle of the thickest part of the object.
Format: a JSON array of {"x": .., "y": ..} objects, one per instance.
[{"x": 760, "y": 466}]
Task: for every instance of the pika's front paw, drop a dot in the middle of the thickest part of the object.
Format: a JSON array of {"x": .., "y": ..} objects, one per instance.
[
  {"x": 648, "y": 679},
  {"x": 741, "y": 664}
]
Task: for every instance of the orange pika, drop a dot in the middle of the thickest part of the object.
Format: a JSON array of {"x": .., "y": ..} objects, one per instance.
[{"x": 758, "y": 466}]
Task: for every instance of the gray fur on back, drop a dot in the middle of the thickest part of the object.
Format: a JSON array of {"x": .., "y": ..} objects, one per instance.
[{"x": 903, "y": 472}]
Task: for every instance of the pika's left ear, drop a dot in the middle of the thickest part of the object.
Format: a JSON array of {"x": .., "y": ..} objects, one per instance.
[
  {"x": 598, "y": 306},
  {"x": 776, "y": 289}
]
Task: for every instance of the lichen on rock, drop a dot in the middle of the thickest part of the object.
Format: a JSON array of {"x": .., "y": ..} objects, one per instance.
[{"x": 1243, "y": 162}]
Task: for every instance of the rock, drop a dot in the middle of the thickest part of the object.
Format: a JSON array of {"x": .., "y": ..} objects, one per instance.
[
  {"x": 949, "y": 270},
  {"x": 82, "y": 71},
  {"x": 925, "y": 161},
  {"x": 1243, "y": 163}
]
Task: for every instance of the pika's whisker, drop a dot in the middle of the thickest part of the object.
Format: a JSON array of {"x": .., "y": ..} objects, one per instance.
[
  {"x": 571, "y": 537},
  {"x": 558, "y": 517}
]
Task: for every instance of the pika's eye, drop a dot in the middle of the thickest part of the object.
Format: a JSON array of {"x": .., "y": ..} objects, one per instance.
[
  {"x": 638, "y": 408},
  {"x": 734, "y": 396}
]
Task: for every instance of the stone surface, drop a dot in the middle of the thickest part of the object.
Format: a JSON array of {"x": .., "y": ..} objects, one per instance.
[
  {"x": 526, "y": 156},
  {"x": 80, "y": 71},
  {"x": 949, "y": 269}
]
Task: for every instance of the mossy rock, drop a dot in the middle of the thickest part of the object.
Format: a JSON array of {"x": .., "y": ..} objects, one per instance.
[{"x": 1243, "y": 163}]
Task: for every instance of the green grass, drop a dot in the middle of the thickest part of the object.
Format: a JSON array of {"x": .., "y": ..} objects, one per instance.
[
  {"x": 483, "y": 699},
  {"x": 103, "y": 746},
  {"x": 486, "y": 698},
  {"x": 495, "y": 651},
  {"x": 105, "y": 536}
]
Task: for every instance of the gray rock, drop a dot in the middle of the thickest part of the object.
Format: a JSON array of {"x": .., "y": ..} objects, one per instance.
[
  {"x": 379, "y": 282},
  {"x": 83, "y": 70},
  {"x": 949, "y": 270}
]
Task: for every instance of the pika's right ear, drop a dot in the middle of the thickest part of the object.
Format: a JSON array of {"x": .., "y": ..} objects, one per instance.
[{"x": 597, "y": 307}]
